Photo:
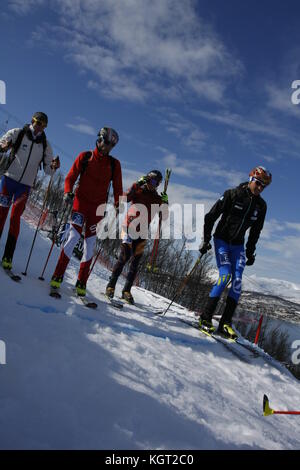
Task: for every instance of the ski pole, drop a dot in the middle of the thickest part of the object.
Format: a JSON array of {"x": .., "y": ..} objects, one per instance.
[
  {"x": 41, "y": 277},
  {"x": 38, "y": 224},
  {"x": 182, "y": 285},
  {"x": 269, "y": 411}
]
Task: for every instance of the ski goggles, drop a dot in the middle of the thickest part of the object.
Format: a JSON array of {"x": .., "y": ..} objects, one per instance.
[
  {"x": 106, "y": 140},
  {"x": 154, "y": 182},
  {"x": 39, "y": 122},
  {"x": 258, "y": 182}
]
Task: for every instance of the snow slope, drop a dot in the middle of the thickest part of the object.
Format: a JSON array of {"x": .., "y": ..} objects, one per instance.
[{"x": 108, "y": 379}]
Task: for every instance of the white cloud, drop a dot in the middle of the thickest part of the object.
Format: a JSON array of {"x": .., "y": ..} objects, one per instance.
[
  {"x": 22, "y": 7},
  {"x": 215, "y": 172},
  {"x": 137, "y": 49},
  {"x": 83, "y": 128},
  {"x": 240, "y": 122}
]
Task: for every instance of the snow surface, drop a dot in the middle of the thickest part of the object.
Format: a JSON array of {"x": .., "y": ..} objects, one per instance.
[{"x": 77, "y": 378}]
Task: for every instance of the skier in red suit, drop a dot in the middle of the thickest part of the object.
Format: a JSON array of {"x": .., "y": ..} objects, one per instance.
[
  {"x": 96, "y": 169},
  {"x": 145, "y": 204}
]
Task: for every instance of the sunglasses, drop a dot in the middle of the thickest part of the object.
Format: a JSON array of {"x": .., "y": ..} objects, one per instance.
[
  {"x": 259, "y": 183},
  {"x": 39, "y": 123}
]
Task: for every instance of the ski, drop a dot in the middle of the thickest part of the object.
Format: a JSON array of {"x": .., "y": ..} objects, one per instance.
[
  {"x": 115, "y": 303},
  {"x": 84, "y": 300},
  {"x": 227, "y": 343},
  {"x": 12, "y": 275},
  {"x": 87, "y": 302}
]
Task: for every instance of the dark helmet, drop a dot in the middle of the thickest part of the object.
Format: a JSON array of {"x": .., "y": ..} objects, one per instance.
[
  {"x": 260, "y": 173},
  {"x": 108, "y": 135},
  {"x": 154, "y": 177},
  {"x": 42, "y": 117}
]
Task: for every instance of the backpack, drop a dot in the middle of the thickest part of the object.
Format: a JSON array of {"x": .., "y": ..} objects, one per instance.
[
  {"x": 15, "y": 147},
  {"x": 85, "y": 163},
  {"x": 86, "y": 159}
]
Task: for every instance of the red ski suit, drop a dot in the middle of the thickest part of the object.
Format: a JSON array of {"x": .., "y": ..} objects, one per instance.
[{"x": 90, "y": 193}]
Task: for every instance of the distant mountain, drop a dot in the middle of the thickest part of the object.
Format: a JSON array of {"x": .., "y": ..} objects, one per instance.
[{"x": 278, "y": 287}]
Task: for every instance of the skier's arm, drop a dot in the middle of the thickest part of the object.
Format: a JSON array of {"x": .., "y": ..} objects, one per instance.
[
  {"x": 214, "y": 213},
  {"x": 48, "y": 159},
  {"x": 73, "y": 174},
  {"x": 117, "y": 182},
  {"x": 254, "y": 232},
  {"x": 8, "y": 139}
]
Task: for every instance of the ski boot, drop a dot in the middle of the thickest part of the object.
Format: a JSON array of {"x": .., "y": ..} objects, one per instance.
[
  {"x": 80, "y": 288},
  {"x": 110, "y": 292},
  {"x": 205, "y": 320},
  {"x": 227, "y": 331},
  {"x": 126, "y": 295},
  {"x": 225, "y": 326},
  {"x": 206, "y": 326},
  {"x": 56, "y": 282},
  {"x": 7, "y": 263}
]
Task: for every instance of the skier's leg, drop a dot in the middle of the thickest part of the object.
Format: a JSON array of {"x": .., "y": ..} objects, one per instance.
[
  {"x": 5, "y": 202},
  {"x": 124, "y": 255},
  {"x": 18, "y": 207},
  {"x": 138, "y": 247},
  {"x": 224, "y": 266},
  {"x": 88, "y": 252},
  {"x": 77, "y": 221},
  {"x": 91, "y": 222},
  {"x": 238, "y": 260}
]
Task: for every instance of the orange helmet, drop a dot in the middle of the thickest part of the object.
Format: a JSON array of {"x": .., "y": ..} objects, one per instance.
[{"x": 260, "y": 173}]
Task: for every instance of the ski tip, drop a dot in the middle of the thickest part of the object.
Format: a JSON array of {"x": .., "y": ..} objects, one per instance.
[{"x": 267, "y": 411}]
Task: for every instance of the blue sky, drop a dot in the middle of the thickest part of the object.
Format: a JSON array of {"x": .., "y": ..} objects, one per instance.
[{"x": 201, "y": 86}]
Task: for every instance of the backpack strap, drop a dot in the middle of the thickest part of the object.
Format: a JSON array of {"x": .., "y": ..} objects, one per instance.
[
  {"x": 85, "y": 161},
  {"x": 112, "y": 165},
  {"x": 44, "y": 142},
  {"x": 15, "y": 147}
]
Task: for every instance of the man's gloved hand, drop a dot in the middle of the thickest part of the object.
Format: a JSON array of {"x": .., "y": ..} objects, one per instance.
[
  {"x": 142, "y": 180},
  {"x": 117, "y": 209},
  {"x": 204, "y": 248},
  {"x": 4, "y": 146},
  {"x": 68, "y": 198},
  {"x": 164, "y": 198},
  {"x": 55, "y": 164},
  {"x": 250, "y": 258}
]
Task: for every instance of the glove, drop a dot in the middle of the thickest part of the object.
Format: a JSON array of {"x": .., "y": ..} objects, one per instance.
[
  {"x": 5, "y": 146},
  {"x": 68, "y": 198},
  {"x": 142, "y": 180},
  {"x": 250, "y": 258},
  {"x": 117, "y": 209},
  {"x": 164, "y": 198},
  {"x": 204, "y": 248},
  {"x": 55, "y": 164}
]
